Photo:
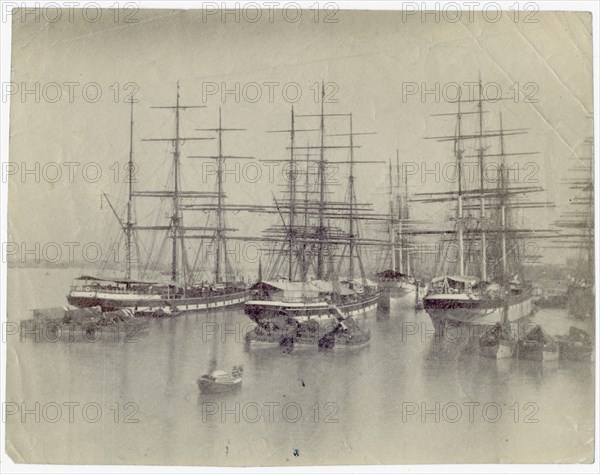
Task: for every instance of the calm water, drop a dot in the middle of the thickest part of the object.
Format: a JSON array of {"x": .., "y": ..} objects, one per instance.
[{"x": 402, "y": 399}]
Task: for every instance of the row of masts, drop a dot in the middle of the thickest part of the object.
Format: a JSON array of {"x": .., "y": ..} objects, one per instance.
[
  {"x": 177, "y": 232},
  {"x": 308, "y": 238},
  {"x": 320, "y": 233},
  {"x": 399, "y": 250},
  {"x": 483, "y": 199},
  {"x": 317, "y": 238},
  {"x": 577, "y": 226}
]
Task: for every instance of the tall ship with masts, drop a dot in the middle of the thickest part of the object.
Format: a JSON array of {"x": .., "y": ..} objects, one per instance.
[
  {"x": 577, "y": 233},
  {"x": 147, "y": 287},
  {"x": 482, "y": 282},
  {"x": 397, "y": 275},
  {"x": 316, "y": 259}
]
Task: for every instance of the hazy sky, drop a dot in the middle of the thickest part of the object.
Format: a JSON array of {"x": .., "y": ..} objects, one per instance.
[{"x": 374, "y": 59}]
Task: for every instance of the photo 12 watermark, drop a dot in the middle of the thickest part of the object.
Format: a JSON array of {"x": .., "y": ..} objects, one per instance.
[
  {"x": 71, "y": 12},
  {"x": 489, "y": 91},
  {"x": 469, "y": 411},
  {"x": 270, "y": 12},
  {"x": 69, "y": 92},
  {"x": 268, "y": 412},
  {"x": 29, "y": 412},
  {"x": 469, "y": 12}
]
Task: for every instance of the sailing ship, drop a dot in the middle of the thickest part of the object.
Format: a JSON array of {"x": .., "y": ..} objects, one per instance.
[
  {"x": 577, "y": 233},
  {"x": 317, "y": 247},
  {"x": 496, "y": 292},
  {"x": 182, "y": 292},
  {"x": 397, "y": 279}
]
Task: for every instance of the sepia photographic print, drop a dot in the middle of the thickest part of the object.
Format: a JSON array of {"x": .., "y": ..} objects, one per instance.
[{"x": 293, "y": 234}]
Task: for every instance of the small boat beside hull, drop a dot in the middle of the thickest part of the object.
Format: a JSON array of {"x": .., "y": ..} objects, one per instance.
[
  {"x": 347, "y": 335},
  {"x": 497, "y": 343},
  {"x": 537, "y": 345}
]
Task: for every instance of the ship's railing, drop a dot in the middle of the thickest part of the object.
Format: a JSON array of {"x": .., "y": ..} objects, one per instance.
[
  {"x": 297, "y": 299},
  {"x": 112, "y": 290}
]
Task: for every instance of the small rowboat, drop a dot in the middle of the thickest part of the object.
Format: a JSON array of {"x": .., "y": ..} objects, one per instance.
[{"x": 219, "y": 381}]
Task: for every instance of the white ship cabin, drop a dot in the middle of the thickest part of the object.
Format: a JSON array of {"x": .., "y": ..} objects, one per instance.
[
  {"x": 87, "y": 283},
  {"x": 301, "y": 292},
  {"x": 451, "y": 284}
]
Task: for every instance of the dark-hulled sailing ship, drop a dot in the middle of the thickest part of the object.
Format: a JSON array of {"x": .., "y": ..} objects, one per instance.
[
  {"x": 316, "y": 258},
  {"x": 183, "y": 292},
  {"x": 486, "y": 286}
]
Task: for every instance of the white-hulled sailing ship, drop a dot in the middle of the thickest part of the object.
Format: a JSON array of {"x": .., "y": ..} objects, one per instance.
[
  {"x": 485, "y": 288},
  {"x": 183, "y": 292},
  {"x": 316, "y": 259}
]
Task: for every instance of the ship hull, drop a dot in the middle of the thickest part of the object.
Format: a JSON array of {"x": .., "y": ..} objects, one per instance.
[
  {"x": 397, "y": 289},
  {"x": 260, "y": 311},
  {"x": 147, "y": 306},
  {"x": 477, "y": 312}
]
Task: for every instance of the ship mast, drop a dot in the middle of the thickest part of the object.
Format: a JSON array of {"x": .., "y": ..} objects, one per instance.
[
  {"x": 220, "y": 230},
  {"x": 292, "y": 213},
  {"x": 458, "y": 152},
  {"x": 391, "y": 227},
  {"x": 400, "y": 216},
  {"x": 321, "y": 180},
  {"x": 175, "y": 228},
  {"x": 503, "y": 191},
  {"x": 303, "y": 259},
  {"x": 406, "y": 255},
  {"x": 176, "y": 218},
  {"x": 129, "y": 223},
  {"x": 480, "y": 153},
  {"x": 352, "y": 198}
]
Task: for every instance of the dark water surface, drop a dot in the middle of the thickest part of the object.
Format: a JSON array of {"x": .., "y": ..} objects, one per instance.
[{"x": 402, "y": 399}]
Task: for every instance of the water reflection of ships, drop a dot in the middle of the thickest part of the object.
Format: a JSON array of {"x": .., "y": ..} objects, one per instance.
[
  {"x": 316, "y": 257},
  {"x": 183, "y": 292},
  {"x": 483, "y": 234}
]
